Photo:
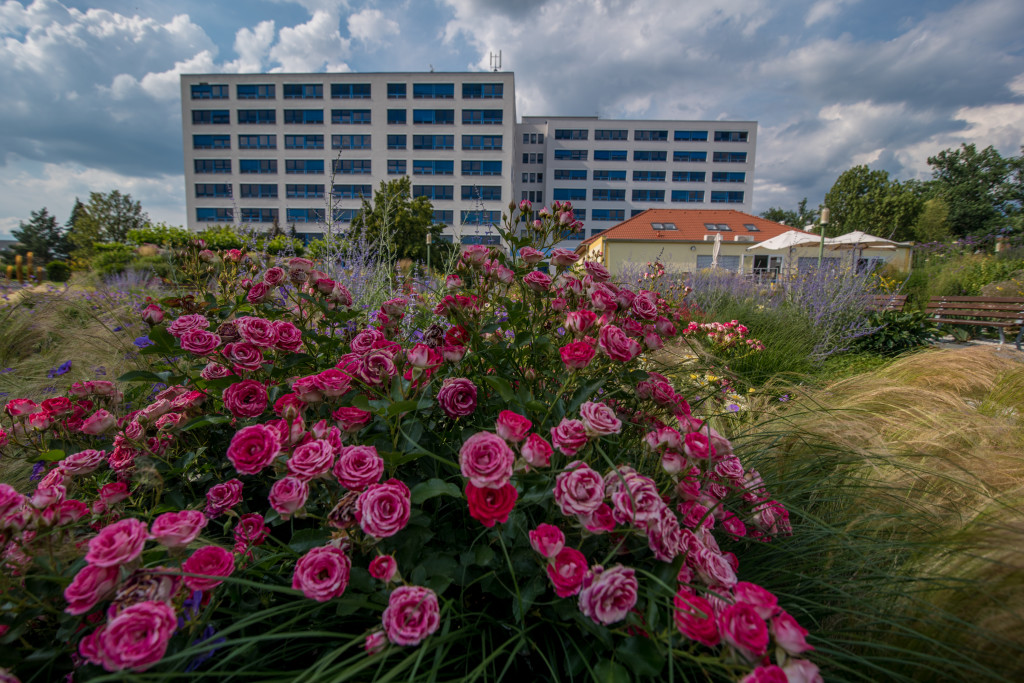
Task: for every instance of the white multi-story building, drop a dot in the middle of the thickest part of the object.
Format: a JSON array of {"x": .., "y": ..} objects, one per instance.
[{"x": 285, "y": 148}]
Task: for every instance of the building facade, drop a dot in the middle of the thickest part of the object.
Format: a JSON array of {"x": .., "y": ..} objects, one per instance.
[{"x": 298, "y": 150}]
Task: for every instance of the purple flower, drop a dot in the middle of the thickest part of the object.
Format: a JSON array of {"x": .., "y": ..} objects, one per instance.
[
  {"x": 37, "y": 471},
  {"x": 143, "y": 341},
  {"x": 61, "y": 369}
]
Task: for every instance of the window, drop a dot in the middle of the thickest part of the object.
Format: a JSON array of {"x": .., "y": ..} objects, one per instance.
[
  {"x": 422, "y": 167},
  {"x": 350, "y": 141},
  {"x": 570, "y": 174},
  {"x": 261, "y": 116},
  {"x": 304, "y": 191},
  {"x": 533, "y": 177},
  {"x": 572, "y": 155},
  {"x": 579, "y": 214},
  {"x": 483, "y": 91},
  {"x": 350, "y": 91},
  {"x": 730, "y": 157},
  {"x": 484, "y": 192},
  {"x": 648, "y": 195},
  {"x": 258, "y": 190},
  {"x": 257, "y": 142},
  {"x": 310, "y": 166},
  {"x": 481, "y": 142},
  {"x": 352, "y": 191},
  {"x": 608, "y": 214},
  {"x": 597, "y": 231},
  {"x": 205, "y": 117},
  {"x": 303, "y": 141},
  {"x": 213, "y": 190},
  {"x": 728, "y": 177},
  {"x": 259, "y": 215},
  {"x": 571, "y": 134},
  {"x": 533, "y": 157},
  {"x": 663, "y": 226},
  {"x": 717, "y": 227},
  {"x": 488, "y": 240},
  {"x": 396, "y": 116},
  {"x": 396, "y": 166},
  {"x": 609, "y": 155},
  {"x": 345, "y": 215},
  {"x": 212, "y": 165},
  {"x": 215, "y": 215},
  {"x": 482, "y": 168},
  {"x": 396, "y": 91},
  {"x": 651, "y": 135},
  {"x": 649, "y": 176},
  {"x": 534, "y": 196},
  {"x": 211, "y": 142},
  {"x": 305, "y": 215},
  {"x": 255, "y": 92},
  {"x": 396, "y": 142},
  {"x": 444, "y": 216},
  {"x": 649, "y": 155},
  {"x": 433, "y": 142},
  {"x": 689, "y": 156},
  {"x": 722, "y": 197},
  {"x": 481, "y": 218},
  {"x": 730, "y": 136},
  {"x": 205, "y": 91},
  {"x": 635, "y": 212},
  {"x": 688, "y": 196},
  {"x": 351, "y": 166},
  {"x": 484, "y": 117},
  {"x": 693, "y": 135},
  {"x": 574, "y": 194},
  {"x": 303, "y": 115},
  {"x": 533, "y": 138},
  {"x": 751, "y": 227},
  {"x": 688, "y": 176},
  {"x": 611, "y": 134},
  {"x": 356, "y": 116},
  {"x": 434, "y": 191},
  {"x": 609, "y": 175},
  {"x": 433, "y": 91},
  {"x": 303, "y": 92},
  {"x": 604, "y": 195},
  {"x": 444, "y": 117},
  {"x": 257, "y": 166}
]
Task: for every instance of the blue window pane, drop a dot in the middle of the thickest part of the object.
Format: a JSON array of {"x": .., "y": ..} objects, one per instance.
[
  {"x": 396, "y": 91},
  {"x": 350, "y": 91},
  {"x": 609, "y": 155},
  {"x": 304, "y": 191},
  {"x": 211, "y": 142},
  {"x": 205, "y": 91},
  {"x": 689, "y": 156},
  {"x": 433, "y": 91},
  {"x": 694, "y": 135},
  {"x": 688, "y": 176},
  {"x": 213, "y": 190},
  {"x": 482, "y": 116},
  {"x": 255, "y": 92},
  {"x": 688, "y": 196},
  {"x": 258, "y": 116},
  {"x": 263, "y": 191},
  {"x": 257, "y": 166}
]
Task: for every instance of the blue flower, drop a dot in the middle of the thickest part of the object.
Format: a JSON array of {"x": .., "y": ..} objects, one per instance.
[
  {"x": 61, "y": 369},
  {"x": 143, "y": 341},
  {"x": 6, "y": 370},
  {"x": 37, "y": 471}
]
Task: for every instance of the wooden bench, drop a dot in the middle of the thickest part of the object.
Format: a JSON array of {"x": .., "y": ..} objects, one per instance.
[
  {"x": 1000, "y": 312},
  {"x": 887, "y": 302}
]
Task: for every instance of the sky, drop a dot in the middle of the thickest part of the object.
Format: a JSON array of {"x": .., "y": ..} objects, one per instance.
[{"x": 90, "y": 93}]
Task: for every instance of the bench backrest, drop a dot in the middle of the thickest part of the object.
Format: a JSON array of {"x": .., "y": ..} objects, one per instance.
[
  {"x": 887, "y": 302},
  {"x": 1007, "y": 308}
]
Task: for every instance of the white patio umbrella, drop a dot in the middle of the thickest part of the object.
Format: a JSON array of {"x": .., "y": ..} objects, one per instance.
[
  {"x": 787, "y": 240},
  {"x": 860, "y": 240},
  {"x": 714, "y": 251}
]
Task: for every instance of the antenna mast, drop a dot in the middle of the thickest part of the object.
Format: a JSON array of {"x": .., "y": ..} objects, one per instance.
[{"x": 495, "y": 61}]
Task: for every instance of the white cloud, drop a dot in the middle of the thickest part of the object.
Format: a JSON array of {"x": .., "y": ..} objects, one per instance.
[
  {"x": 825, "y": 9},
  {"x": 316, "y": 45},
  {"x": 252, "y": 47},
  {"x": 371, "y": 26}
]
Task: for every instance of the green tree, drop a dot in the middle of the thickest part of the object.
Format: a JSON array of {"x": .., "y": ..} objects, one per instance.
[
  {"x": 863, "y": 199},
  {"x": 106, "y": 218},
  {"x": 978, "y": 188},
  {"x": 42, "y": 236},
  {"x": 796, "y": 219},
  {"x": 395, "y": 219},
  {"x": 933, "y": 223}
]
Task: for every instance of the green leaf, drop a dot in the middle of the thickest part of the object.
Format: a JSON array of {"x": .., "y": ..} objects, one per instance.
[
  {"x": 434, "y": 487},
  {"x": 607, "y": 671},
  {"x": 307, "y": 539},
  {"x": 641, "y": 655},
  {"x": 502, "y": 386},
  {"x": 205, "y": 420},
  {"x": 527, "y": 594},
  {"x": 53, "y": 455},
  {"x": 401, "y": 407},
  {"x": 140, "y": 376},
  {"x": 584, "y": 393}
]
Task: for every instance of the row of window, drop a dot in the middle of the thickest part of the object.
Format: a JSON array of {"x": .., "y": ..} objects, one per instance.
[
  {"x": 346, "y": 142},
  {"x": 643, "y": 195},
  {"x": 347, "y": 91},
  {"x": 445, "y": 117},
  {"x": 270, "y": 215},
  {"x": 648, "y": 155},
  {"x": 652, "y": 176},
  {"x": 316, "y": 191},
  {"x": 347, "y": 166},
  {"x": 648, "y": 135}
]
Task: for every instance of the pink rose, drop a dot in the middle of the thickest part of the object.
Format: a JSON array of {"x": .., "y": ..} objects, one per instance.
[
  {"x": 259, "y": 293},
  {"x": 599, "y": 521},
  {"x": 491, "y": 505},
  {"x": 457, "y": 397},
  {"x": 562, "y": 257},
  {"x": 70, "y": 511},
  {"x": 763, "y": 601},
  {"x": 210, "y": 561},
  {"x": 801, "y": 671},
  {"x": 375, "y": 643},
  {"x": 644, "y": 306},
  {"x": 567, "y": 571},
  {"x": 376, "y": 368},
  {"x": 486, "y": 460},
  {"x": 697, "y": 445},
  {"x": 250, "y": 531},
  {"x": 288, "y": 495},
  {"x": 578, "y": 322},
  {"x": 547, "y": 539},
  {"x": 289, "y": 337},
  {"x": 537, "y": 280},
  {"x": 788, "y": 634},
  {"x": 512, "y": 426},
  {"x": 579, "y": 490},
  {"x": 322, "y": 573},
  {"x": 177, "y": 529},
  {"x": 577, "y": 355},
  {"x": 536, "y": 451},
  {"x": 743, "y": 628},
  {"x": 83, "y": 462},
  {"x": 185, "y": 323},
  {"x": 531, "y": 255},
  {"x": 199, "y": 342},
  {"x": 253, "y": 448},
  {"x": 383, "y": 510},
  {"x": 599, "y": 420},
  {"x": 136, "y": 638},
  {"x": 118, "y": 543},
  {"x": 412, "y": 614},
  {"x": 257, "y": 331},
  {"x": 307, "y": 390},
  {"x": 113, "y": 493},
  {"x": 311, "y": 460},
  {"x": 351, "y": 420},
  {"x": 768, "y": 673},
  {"x": 332, "y": 382},
  {"x": 98, "y": 423},
  {"x": 215, "y": 371},
  {"x": 695, "y": 618},
  {"x": 90, "y": 585},
  {"x": 274, "y": 276},
  {"x": 242, "y": 356},
  {"x": 247, "y": 398},
  {"x": 384, "y": 568},
  {"x": 607, "y": 595},
  {"x": 616, "y": 345},
  {"x": 223, "y": 497},
  {"x": 358, "y": 466},
  {"x": 569, "y": 436},
  {"x": 152, "y": 315},
  {"x": 597, "y": 272}
]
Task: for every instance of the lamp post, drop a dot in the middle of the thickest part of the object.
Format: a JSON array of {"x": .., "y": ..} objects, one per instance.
[
  {"x": 429, "y": 240},
  {"x": 821, "y": 235}
]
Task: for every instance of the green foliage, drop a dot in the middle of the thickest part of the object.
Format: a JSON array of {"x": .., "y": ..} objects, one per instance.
[
  {"x": 862, "y": 199},
  {"x": 111, "y": 258},
  {"x": 106, "y": 218},
  {"x": 42, "y": 236},
  {"x": 933, "y": 223},
  {"x": 981, "y": 189},
  {"x": 398, "y": 222},
  {"x": 898, "y": 332},
  {"x": 160, "y": 234},
  {"x": 221, "y": 237},
  {"x": 796, "y": 219},
  {"x": 961, "y": 275},
  {"x": 58, "y": 271},
  {"x": 284, "y": 244}
]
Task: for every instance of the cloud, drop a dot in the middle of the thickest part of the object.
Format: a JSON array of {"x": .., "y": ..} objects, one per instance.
[
  {"x": 316, "y": 45},
  {"x": 825, "y": 9},
  {"x": 253, "y": 48},
  {"x": 371, "y": 26}
]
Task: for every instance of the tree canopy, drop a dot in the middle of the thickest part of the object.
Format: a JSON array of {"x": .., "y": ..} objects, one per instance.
[
  {"x": 395, "y": 219},
  {"x": 868, "y": 200},
  {"x": 42, "y": 236},
  {"x": 106, "y": 218},
  {"x": 983, "y": 190},
  {"x": 796, "y": 219}
]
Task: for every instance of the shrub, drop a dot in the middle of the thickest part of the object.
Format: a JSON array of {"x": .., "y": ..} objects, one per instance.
[
  {"x": 282, "y": 244},
  {"x": 221, "y": 237},
  {"x": 111, "y": 258},
  {"x": 897, "y": 332},
  {"x": 160, "y": 234},
  {"x": 58, "y": 271}
]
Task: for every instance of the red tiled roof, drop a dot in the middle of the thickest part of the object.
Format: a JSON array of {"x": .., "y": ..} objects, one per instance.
[{"x": 689, "y": 226}]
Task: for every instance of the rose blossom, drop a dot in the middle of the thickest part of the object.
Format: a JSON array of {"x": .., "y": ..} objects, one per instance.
[
  {"x": 599, "y": 420},
  {"x": 697, "y": 445},
  {"x": 311, "y": 460},
  {"x": 332, "y": 382},
  {"x": 250, "y": 530},
  {"x": 136, "y": 638},
  {"x": 185, "y": 323},
  {"x": 117, "y": 543},
  {"x": 457, "y": 397},
  {"x": 242, "y": 356},
  {"x": 383, "y": 510},
  {"x": 579, "y": 490},
  {"x": 766, "y": 673},
  {"x": 70, "y": 511},
  {"x": 252, "y": 448},
  {"x": 358, "y": 466},
  {"x": 802, "y": 671},
  {"x": 412, "y": 614},
  {"x": 491, "y": 505},
  {"x": 537, "y": 280},
  {"x": 744, "y": 629},
  {"x": 322, "y": 573},
  {"x": 531, "y": 255},
  {"x": 306, "y": 389},
  {"x": 289, "y": 406},
  {"x": 258, "y": 293},
  {"x": 384, "y": 568},
  {"x": 257, "y": 331},
  {"x": 695, "y": 618},
  {"x": 486, "y": 460},
  {"x": 569, "y": 436},
  {"x": 566, "y": 572},
  {"x": 223, "y": 497},
  {"x": 562, "y": 257},
  {"x": 99, "y": 422},
  {"x": 607, "y": 595},
  {"x": 83, "y": 462},
  {"x": 762, "y": 600},
  {"x": 288, "y": 495},
  {"x": 90, "y": 585},
  {"x": 547, "y": 539},
  {"x": 177, "y": 529},
  {"x": 199, "y": 342},
  {"x": 597, "y": 272},
  {"x": 788, "y": 634},
  {"x": 210, "y": 560},
  {"x": 536, "y": 451},
  {"x": 375, "y": 642},
  {"x": 152, "y": 315},
  {"x": 616, "y": 345},
  {"x": 376, "y": 368},
  {"x": 512, "y": 426},
  {"x": 247, "y": 398},
  {"x": 289, "y": 337},
  {"x": 214, "y": 371},
  {"x": 577, "y": 355},
  {"x": 350, "y": 420}
]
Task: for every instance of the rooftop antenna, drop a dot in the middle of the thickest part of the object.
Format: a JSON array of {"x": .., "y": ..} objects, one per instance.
[
  {"x": 496, "y": 61},
  {"x": 431, "y": 68}
]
